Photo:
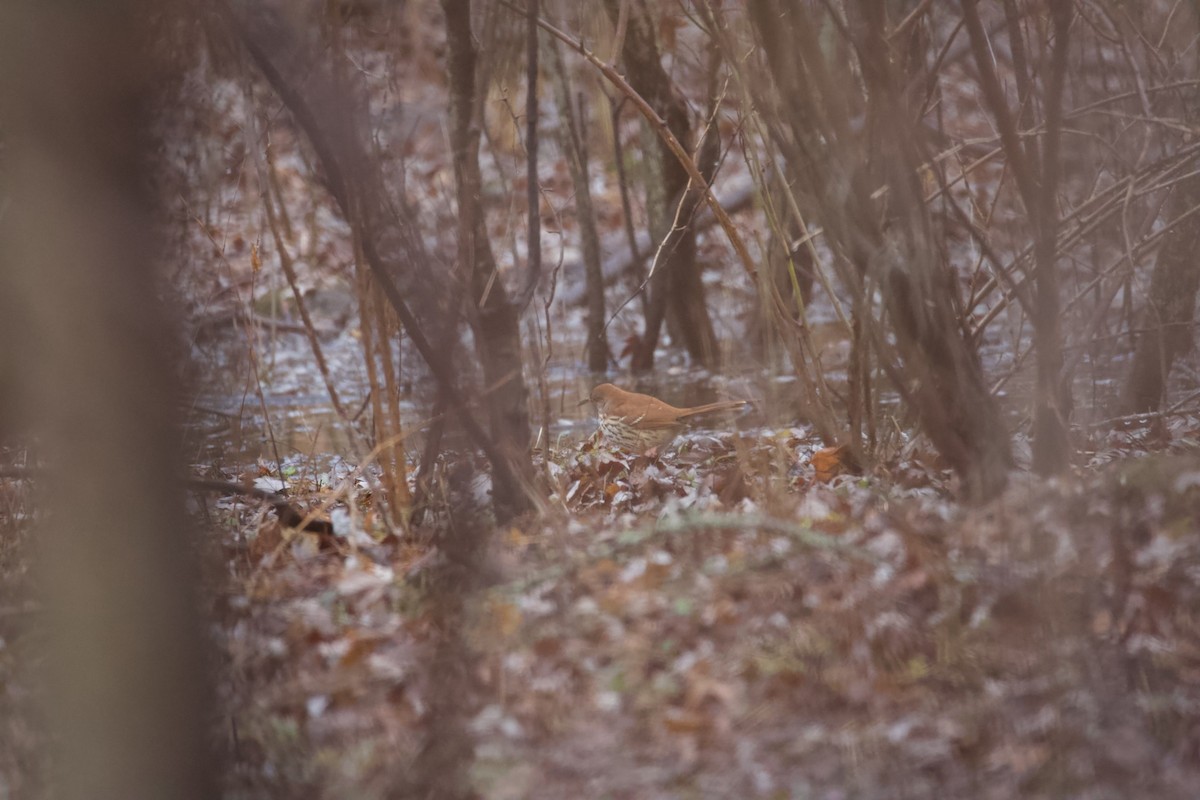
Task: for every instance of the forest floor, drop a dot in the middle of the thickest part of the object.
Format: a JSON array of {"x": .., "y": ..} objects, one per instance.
[{"x": 717, "y": 623}]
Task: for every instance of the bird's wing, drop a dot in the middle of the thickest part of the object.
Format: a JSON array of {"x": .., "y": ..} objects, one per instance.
[{"x": 649, "y": 414}]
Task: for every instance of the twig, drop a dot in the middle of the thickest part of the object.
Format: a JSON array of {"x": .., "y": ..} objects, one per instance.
[
  {"x": 289, "y": 271},
  {"x": 912, "y": 17},
  {"x": 1173, "y": 411},
  {"x": 619, "y": 35}
]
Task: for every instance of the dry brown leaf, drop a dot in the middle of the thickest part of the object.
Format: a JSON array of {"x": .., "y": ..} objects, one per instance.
[
  {"x": 830, "y": 462},
  {"x": 504, "y": 617}
]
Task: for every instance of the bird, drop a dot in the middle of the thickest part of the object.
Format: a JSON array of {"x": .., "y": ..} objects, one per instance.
[{"x": 638, "y": 422}]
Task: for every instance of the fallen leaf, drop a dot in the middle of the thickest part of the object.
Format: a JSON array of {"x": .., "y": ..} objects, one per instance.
[{"x": 830, "y": 462}]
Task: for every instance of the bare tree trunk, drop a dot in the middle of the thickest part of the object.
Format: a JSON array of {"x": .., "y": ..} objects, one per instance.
[
  {"x": 126, "y": 679},
  {"x": 495, "y": 318},
  {"x": 676, "y": 287},
  {"x": 572, "y": 139},
  {"x": 1051, "y": 443},
  {"x": 532, "y": 185},
  {"x": 442, "y": 770},
  {"x": 1167, "y": 327},
  {"x": 956, "y": 409}
]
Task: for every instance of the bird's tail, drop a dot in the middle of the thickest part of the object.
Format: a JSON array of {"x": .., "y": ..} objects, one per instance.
[{"x": 724, "y": 405}]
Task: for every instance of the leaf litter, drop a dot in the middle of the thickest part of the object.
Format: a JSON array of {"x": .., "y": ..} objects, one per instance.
[{"x": 863, "y": 635}]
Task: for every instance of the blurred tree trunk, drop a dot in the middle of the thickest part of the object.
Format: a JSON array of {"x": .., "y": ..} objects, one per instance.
[
  {"x": 1052, "y": 411},
  {"x": 1167, "y": 323},
  {"x": 676, "y": 286},
  {"x": 1035, "y": 170},
  {"x": 126, "y": 678},
  {"x": 452, "y": 690},
  {"x": 941, "y": 376},
  {"x": 956, "y": 409},
  {"x": 495, "y": 319},
  {"x": 572, "y": 135}
]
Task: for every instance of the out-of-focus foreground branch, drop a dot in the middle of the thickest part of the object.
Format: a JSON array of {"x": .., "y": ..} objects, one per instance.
[{"x": 126, "y": 686}]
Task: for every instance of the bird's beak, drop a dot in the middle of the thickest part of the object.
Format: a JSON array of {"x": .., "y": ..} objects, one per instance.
[{"x": 583, "y": 402}]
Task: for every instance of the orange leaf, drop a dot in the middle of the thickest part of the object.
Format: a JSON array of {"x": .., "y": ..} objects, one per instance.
[
  {"x": 678, "y": 720},
  {"x": 830, "y": 462}
]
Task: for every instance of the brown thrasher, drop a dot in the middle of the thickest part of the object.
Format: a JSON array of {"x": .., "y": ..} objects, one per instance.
[{"x": 638, "y": 422}]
